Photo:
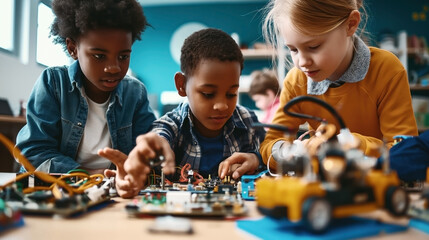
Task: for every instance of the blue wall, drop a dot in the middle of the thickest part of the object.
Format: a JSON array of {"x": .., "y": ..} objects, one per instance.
[
  {"x": 152, "y": 61},
  {"x": 398, "y": 15},
  {"x": 154, "y": 65}
]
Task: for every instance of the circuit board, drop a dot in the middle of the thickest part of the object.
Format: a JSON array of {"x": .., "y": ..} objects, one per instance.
[
  {"x": 65, "y": 207},
  {"x": 38, "y": 192},
  {"x": 208, "y": 198},
  {"x": 188, "y": 203},
  {"x": 55, "y": 200}
]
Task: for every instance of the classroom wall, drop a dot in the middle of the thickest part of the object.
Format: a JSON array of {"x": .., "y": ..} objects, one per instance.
[
  {"x": 394, "y": 16},
  {"x": 154, "y": 65},
  {"x": 19, "y": 72},
  {"x": 17, "y": 79},
  {"x": 151, "y": 58}
]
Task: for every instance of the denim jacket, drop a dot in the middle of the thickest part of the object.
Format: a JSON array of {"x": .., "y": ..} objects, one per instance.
[{"x": 57, "y": 113}]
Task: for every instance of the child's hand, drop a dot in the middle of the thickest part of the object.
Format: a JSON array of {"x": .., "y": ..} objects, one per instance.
[
  {"x": 148, "y": 146},
  {"x": 238, "y": 164},
  {"x": 124, "y": 187}
]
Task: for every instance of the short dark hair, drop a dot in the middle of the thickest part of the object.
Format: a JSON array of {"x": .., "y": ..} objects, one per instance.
[
  {"x": 262, "y": 81},
  {"x": 205, "y": 44},
  {"x": 76, "y": 17}
]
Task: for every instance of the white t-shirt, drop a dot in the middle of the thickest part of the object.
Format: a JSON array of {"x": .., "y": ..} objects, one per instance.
[{"x": 95, "y": 136}]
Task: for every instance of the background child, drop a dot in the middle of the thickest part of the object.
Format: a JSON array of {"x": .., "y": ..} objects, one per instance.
[
  {"x": 367, "y": 86},
  {"x": 264, "y": 90},
  {"x": 75, "y": 110},
  {"x": 210, "y": 131}
]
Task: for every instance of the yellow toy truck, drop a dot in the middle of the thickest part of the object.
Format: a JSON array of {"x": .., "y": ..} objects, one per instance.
[{"x": 331, "y": 180}]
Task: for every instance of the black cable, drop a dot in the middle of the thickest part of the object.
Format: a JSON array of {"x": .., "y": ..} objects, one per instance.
[
  {"x": 317, "y": 101},
  {"x": 274, "y": 126}
]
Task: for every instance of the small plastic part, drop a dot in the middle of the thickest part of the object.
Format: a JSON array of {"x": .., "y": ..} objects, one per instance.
[
  {"x": 345, "y": 137},
  {"x": 170, "y": 224},
  {"x": 248, "y": 185},
  {"x": 157, "y": 161}
]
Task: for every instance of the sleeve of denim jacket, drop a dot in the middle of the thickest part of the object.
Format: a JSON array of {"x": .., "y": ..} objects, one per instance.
[
  {"x": 39, "y": 140},
  {"x": 143, "y": 115}
]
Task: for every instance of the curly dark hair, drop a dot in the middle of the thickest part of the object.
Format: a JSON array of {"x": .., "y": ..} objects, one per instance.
[
  {"x": 208, "y": 43},
  {"x": 76, "y": 17}
]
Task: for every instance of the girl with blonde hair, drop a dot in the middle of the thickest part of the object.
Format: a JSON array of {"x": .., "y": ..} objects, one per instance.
[{"x": 366, "y": 85}]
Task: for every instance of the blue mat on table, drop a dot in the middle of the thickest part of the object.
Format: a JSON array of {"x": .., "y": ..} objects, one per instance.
[
  {"x": 420, "y": 225},
  {"x": 343, "y": 228}
]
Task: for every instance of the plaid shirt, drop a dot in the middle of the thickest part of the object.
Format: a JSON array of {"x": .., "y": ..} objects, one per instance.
[{"x": 177, "y": 127}]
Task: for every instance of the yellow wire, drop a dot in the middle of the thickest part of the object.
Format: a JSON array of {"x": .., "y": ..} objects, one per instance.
[
  {"x": 56, "y": 182},
  {"x": 94, "y": 180},
  {"x": 16, "y": 153},
  {"x": 35, "y": 189},
  {"x": 50, "y": 179},
  {"x": 56, "y": 192},
  {"x": 76, "y": 174}
]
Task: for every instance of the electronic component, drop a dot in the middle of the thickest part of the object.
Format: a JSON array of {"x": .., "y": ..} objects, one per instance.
[
  {"x": 188, "y": 203},
  {"x": 211, "y": 197},
  {"x": 191, "y": 195},
  {"x": 414, "y": 186},
  {"x": 54, "y": 200},
  {"x": 156, "y": 161},
  {"x": 62, "y": 195},
  {"x": 419, "y": 213},
  {"x": 420, "y": 208},
  {"x": 248, "y": 185}
]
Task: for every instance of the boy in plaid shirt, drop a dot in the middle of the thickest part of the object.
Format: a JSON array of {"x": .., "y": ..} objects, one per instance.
[{"x": 209, "y": 131}]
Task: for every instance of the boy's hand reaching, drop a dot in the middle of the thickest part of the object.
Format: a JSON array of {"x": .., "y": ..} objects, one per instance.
[
  {"x": 238, "y": 164},
  {"x": 124, "y": 187},
  {"x": 149, "y": 146}
]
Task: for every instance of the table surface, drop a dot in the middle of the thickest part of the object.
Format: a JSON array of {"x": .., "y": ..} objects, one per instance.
[{"x": 112, "y": 222}]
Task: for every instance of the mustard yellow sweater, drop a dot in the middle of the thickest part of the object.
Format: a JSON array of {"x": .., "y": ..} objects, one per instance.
[{"x": 376, "y": 108}]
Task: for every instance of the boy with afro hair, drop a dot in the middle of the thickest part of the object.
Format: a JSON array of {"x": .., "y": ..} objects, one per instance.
[{"x": 73, "y": 111}]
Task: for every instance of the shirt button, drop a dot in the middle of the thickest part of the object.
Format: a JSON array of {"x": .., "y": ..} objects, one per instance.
[{"x": 79, "y": 124}]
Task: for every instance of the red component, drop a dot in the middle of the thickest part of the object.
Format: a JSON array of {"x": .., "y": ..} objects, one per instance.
[{"x": 184, "y": 176}]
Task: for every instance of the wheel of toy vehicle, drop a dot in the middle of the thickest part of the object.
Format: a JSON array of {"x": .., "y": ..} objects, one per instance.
[
  {"x": 396, "y": 200},
  {"x": 316, "y": 214}
]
